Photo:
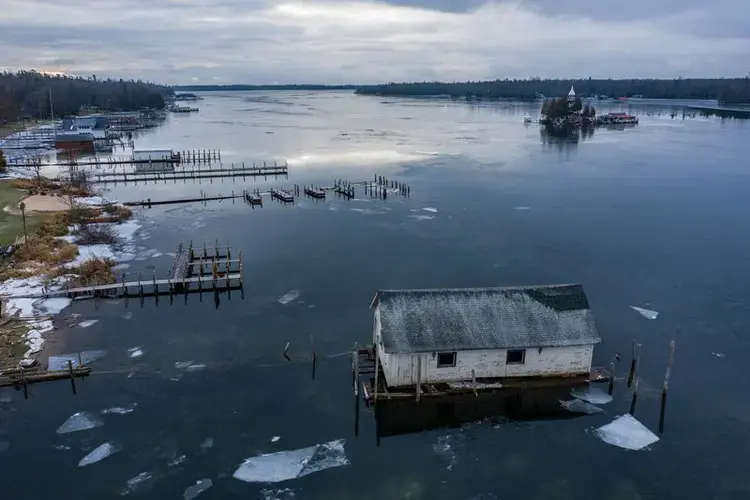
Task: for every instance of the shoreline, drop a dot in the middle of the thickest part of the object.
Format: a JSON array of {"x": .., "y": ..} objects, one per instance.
[{"x": 39, "y": 318}]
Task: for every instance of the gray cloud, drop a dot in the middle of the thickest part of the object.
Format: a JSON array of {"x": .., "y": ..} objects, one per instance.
[{"x": 338, "y": 41}]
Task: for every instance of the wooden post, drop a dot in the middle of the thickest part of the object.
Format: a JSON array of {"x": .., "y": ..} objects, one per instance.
[
  {"x": 419, "y": 376},
  {"x": 635, "y": 387},
  {"x": 25, "y": 385},
  {"x": 355, "y": 360},
  {"x": 72, "y": 378},
  {"x": 632, "y": 365},
  {"x": 611, "y": 378},
  {"x": 312, "y": 359},
  {"x": 665, "y": 387},
  {"x": 474, "y": 381}
]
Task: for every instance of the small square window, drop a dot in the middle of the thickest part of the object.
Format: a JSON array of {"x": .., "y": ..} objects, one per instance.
[
  {"x": 446, "y": 359},
  {"x": 515, "y": 357}
]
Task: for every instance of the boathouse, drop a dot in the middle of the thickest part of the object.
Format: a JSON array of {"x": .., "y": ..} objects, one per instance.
[{"x": 454, "y": 335}]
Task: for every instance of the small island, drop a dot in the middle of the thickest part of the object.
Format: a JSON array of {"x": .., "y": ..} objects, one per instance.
[{"x": 566, "y": 111}]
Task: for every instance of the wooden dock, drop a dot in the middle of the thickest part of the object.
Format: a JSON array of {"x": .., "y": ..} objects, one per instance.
[
  {"x": 22, "y": 377},
  {"x": 148, "y": 202},
  {"x": 282, "y": 195},
  {"x": 315, "y": 192},
  {"x": 253, "y": 198},
  {"x": 274, "y": 170},
  {"x": 193, "y": 271}
]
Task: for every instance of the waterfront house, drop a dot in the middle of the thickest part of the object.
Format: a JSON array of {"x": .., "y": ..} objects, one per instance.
[{"x": 454, "y": 335}]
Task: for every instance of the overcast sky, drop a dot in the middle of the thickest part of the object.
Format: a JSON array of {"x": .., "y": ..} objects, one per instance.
[{"x": 341, "y": 41}]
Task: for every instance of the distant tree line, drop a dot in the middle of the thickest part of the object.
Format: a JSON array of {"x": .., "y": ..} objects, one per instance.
[
  {"x": 206, "y": 88},
  {"x": 725, "y": 89},
  {"x": 26, "y": 94}
]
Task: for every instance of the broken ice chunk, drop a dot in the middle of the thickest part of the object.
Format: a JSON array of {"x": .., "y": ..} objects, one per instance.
[
  {"x": 87, "y": 323},
  {"x": 275, "y": 438},
  {"x": 81, "y": 421},
  {"x": 181, "y": 365},
  {"x": 288, "y": 297},
  {"x": 646, "y": 313},
  {"x": 199, "y": 487},
  {"x": 135, "y": 482},
  {"x": 119, "y": 410},
  {"x": 578, "y": 406},
  {"x": 100, "y": 453},
  {"x": 592, "y": 395},
  {"x": 135, "y": 352},
  {"x": 207, "y": 443},
  {"x": 195, "y": 367},
  {"x": 626, "y": 432},
  {"x": 284, "y": 465}
]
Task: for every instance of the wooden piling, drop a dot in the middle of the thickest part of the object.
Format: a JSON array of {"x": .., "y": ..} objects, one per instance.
[
  {"x": 611, "y": 378},
  {"x": 635, "y": 387},
  {"x": 419, "y": 377},
  {"x": 632, "y": 365},
  {"x": 665, "y": 387},
  {"x": 312, "y": 358},
  {"x": 72, "y": 378}
]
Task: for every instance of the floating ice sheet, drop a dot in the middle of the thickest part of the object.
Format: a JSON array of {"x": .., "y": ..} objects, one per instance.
[
  {"x": 135, "y": 352},
  {"x": 181, "y": 365},
  {"x": 626, "y": 432},
  {"x": 578, "y": 406},
  {"x": 100, "y": 453},
  {"x": 81, "y": 421},
  {"x": 87, "y": 323},
  {"x": 275, "y": 438},
  {"x": 120, "y": 410},
  {"x": 646, "y": 313},
  {"x": 422, "y": 217},
  {"x": 284, "y": 465},
  {"x": 136, "y": 482},
  {"x": 199, "y": 487},
  {"x": 195, "y": 367},
  {"x": 288, "y": 297},
  {"x": 61, "y": 362},
  {"x": 207, "y": 443},
  {"x": 592, "y": 395}
]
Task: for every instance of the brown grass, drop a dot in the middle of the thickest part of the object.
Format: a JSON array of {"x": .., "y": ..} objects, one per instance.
[
  {"x": 122, "y": 213},
  {"x": 96, "y": 271}
]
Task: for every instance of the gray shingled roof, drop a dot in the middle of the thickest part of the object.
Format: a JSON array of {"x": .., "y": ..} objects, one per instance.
[{"x": 485, "y": 318}]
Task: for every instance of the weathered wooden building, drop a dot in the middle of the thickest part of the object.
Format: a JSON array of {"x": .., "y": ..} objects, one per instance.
[{"x": 455, "y": 335}]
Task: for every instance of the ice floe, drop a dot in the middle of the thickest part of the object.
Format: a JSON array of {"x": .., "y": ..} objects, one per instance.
[
  {"x": 430, "y": 209},
  {"x": 87, "y": 323},
  {"x": 181, "y": 365},
  {"x": 81, "y": 421},
  {"x": 207, "y": 443},
  {"x": 199, "y": 487},
  {"x": 578, "y": 406},
  {"x": 281, "y": 494},
  {"x": 120, "y": 410},
  {"x": 135, "y": 352},
  {"x": 592, "y": 395},
  {"x": 284, "y": 465},
  {"x": 521, "y": 208},
  {"x": 646, "y": 313},
  {"x": 100, "y": 453},
  {"x": 626, "y": 432},
  {"x": 136, "y": 482},
  {"x": 422, "y": 217},
  {"x": 444, "y": 450},
  {"x": 288, "y": 297},
  {"x": 195, "y": 367},
  {"x": 275, "y": 438},
  {"x": 60, "y": 362}
]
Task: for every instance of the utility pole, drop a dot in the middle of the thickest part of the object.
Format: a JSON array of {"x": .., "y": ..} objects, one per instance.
[{"x": 22, "y": 206}]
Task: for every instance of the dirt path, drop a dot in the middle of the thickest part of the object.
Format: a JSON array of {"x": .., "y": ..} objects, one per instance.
[{"x": 42, "y": 203}]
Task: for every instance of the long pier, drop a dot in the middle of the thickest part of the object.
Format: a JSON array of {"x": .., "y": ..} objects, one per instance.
[
  {"x": 191, "y": 272},
  {"x": 201, "y": 173},
  {"x": 203, "y": 198}
]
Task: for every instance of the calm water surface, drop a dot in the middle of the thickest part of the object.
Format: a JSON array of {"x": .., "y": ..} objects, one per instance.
[{"x": 654, "y": 216}]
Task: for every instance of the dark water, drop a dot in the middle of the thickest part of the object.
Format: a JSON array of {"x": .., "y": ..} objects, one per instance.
[{"x": 653, "y": 216}]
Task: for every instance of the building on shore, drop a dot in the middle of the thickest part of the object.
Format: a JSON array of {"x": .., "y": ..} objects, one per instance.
[
  {"x": 617, "y": 119},
  {"x": 485, "y": 334},
  {"x": 74, "y": 142}
]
